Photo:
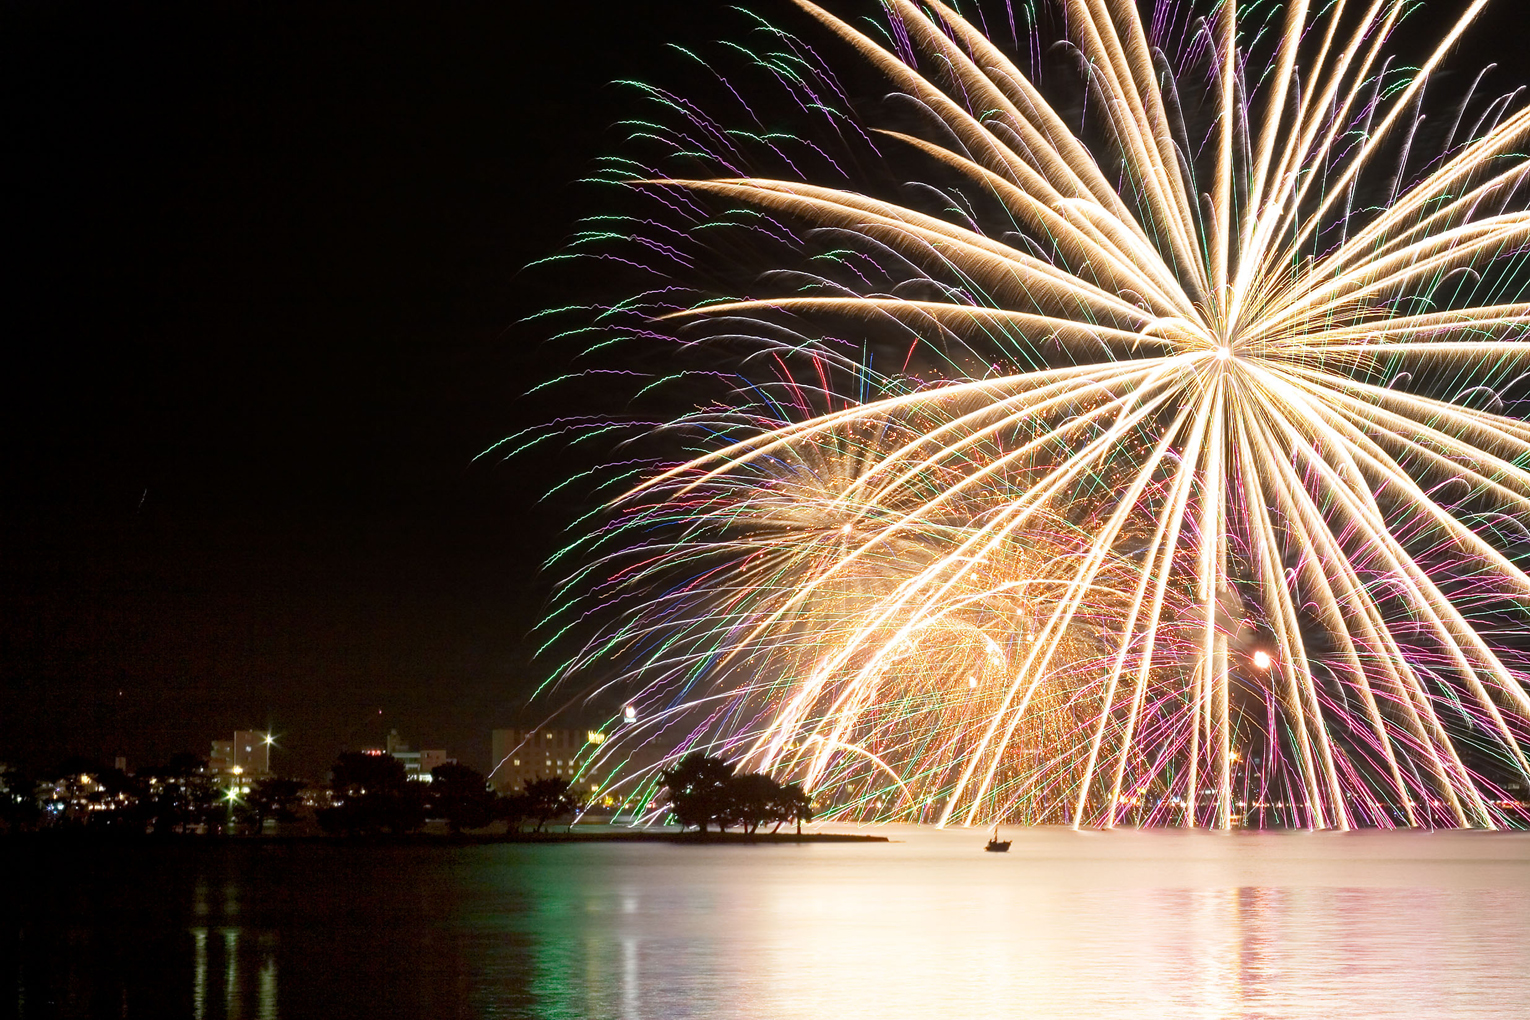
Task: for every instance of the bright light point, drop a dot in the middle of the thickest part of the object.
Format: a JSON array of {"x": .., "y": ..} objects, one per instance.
[
  {"x": 972, "y": 681},
  {"x": 629, "y": 713},
  {"x": 1262, "y": 659},
  {"x": 1223, "y": 353},
  {"x": 845, "y": 529},
  {"x": 270, "y": 740}
]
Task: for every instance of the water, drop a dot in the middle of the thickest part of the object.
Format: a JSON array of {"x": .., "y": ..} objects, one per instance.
[{"x": 1067, "y": 925}]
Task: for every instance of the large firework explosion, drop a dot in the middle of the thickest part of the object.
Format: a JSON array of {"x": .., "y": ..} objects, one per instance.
[{"x": 1116, "y": 425}]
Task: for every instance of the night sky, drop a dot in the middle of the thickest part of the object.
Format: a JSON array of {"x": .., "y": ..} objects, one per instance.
[{"x": 261, "y": 310}]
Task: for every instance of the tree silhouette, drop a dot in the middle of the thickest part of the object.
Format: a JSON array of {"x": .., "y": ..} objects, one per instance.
[
  {"x": 356, "y": 774},
  {"x": 792, "y": 804},
  {"x": 184, "y": 765},
  {"x": 461, "y": 795},
  {"x": 179, "y": 795},
  {"x": 752, "y": 800},
  {"x": 514, "y": 810},
  {"x": 371, "y": 793},
  {"x": 550, "y": 798},
  {"x": 271, "y": 798},
  {"x": 18, "y": 800},
  {"x": 698, "y": 789},
  {"x": 705, "y": 790},
  {"x": 75, "y": 765}
]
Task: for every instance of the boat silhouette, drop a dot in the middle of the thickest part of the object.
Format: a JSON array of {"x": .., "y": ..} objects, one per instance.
[{"x": 997, "y": 845}]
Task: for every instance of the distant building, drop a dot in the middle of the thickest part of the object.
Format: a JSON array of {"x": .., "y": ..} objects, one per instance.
[
  {"x": 522, "y": 754},
  {"x": 417, "y": 764},
  {"x": 252, "y": 752},
  {"x": 395, "y": 743},
  {"x": 249, "y": 752}
]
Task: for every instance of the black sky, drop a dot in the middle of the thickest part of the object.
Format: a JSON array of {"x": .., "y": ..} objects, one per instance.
[{"x": 260, "y": 312}]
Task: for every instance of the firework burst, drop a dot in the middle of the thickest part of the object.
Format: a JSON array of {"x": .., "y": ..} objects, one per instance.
[{"x": 1202, "y": 506}]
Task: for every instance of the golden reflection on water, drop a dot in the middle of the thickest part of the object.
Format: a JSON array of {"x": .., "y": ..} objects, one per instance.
[
  {"x": 241, "y": 997},
  {"x": 1067, "y": 926}
]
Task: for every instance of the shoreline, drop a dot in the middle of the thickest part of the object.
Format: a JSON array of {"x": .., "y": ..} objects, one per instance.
[{"x": 446, "y": 839}]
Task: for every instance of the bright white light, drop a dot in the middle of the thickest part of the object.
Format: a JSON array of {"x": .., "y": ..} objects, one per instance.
[
  {"x": 1223, "y": 353},
  {"x": 1262, "y": 659},
  {"x": 629, "y": 713}
]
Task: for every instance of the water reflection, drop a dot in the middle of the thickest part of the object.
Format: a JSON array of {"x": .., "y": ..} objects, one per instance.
[
  {"x": 1067, "y": 925},
  {"x": 1139, "y": 925},
  {"x": 252, "y": 996}
]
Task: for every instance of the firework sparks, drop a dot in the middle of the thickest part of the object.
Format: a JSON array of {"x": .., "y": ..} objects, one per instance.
[{"x": 1197, "y": 556}]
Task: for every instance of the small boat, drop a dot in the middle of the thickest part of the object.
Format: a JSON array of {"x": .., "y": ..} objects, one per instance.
[{"x": 997, "y": 845}]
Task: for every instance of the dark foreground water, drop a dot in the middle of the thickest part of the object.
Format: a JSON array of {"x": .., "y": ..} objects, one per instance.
[{"x": 1075, "y": 925}]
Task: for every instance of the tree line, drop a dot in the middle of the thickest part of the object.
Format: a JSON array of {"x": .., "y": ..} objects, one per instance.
[
  {"x": 368, "y": 793},
  {"x": 705, "y": 790},
  {"x": 372, "y": 793}
]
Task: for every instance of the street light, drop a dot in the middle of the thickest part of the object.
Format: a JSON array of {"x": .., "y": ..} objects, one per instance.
[{"x": 233, "y": 793}]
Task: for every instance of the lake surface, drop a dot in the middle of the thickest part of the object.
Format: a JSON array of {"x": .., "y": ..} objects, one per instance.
[{"x": 1067, "y": 925}]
